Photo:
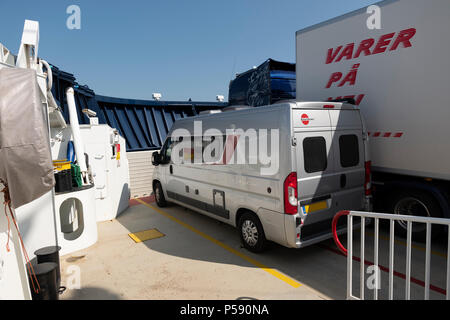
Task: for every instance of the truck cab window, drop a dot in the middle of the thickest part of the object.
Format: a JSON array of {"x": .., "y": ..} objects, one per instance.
[
  {"x": 315, "y": 154},
  {"x": 349, "y": 150}
]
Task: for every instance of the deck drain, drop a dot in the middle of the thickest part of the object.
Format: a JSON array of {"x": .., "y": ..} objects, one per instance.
[{"x": 146, "y": 235}]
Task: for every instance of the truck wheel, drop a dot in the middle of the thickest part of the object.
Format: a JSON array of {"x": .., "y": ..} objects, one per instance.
[
  {"x": 416, "y": 203},
  {"x": 159, "y": 196},
  {"x": 252, "y": 233}
]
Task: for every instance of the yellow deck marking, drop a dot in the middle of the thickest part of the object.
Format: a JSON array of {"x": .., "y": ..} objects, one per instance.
[
  {"x": 440, "y": 254},
  {"x": 146, "y": 235},
  {"x": 272, "y": 271}
]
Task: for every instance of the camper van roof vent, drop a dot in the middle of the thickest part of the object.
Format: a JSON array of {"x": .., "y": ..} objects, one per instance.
[
  {"x": 235, "y": 108},
  {"x": 346, "y": 100},
  {"x": 210, "y": 112}
]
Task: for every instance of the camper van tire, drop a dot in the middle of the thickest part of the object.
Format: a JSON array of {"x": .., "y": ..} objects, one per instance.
[
  {"x": 252, "y": 233},
  {"x": 159, "y": 195},
  {"x": 416, "y": 203}
]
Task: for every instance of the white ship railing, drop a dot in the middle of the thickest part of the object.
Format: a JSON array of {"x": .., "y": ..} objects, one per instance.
[{"x": 391, "y": 218}]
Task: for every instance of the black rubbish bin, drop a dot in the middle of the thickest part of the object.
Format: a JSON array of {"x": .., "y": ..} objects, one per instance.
[
  {"x": 46, "y": 276},
  {"x": 50, "y": 254},
  {"x": 63, "y": 181}
]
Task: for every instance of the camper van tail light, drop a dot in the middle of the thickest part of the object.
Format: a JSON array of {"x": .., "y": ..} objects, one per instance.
[
  {"x": 117, "y": 151},
  {"x": 368, "y": 184},
  {"x": 291, "y": 194},
  {"x": 328, "y": 106}
]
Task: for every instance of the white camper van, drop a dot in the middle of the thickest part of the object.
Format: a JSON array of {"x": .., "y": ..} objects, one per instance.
[{"x": 277, "y": 173}]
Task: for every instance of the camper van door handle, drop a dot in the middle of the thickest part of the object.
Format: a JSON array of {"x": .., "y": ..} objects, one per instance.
[
  {"x": 343, "y": 180},
  {"x": 171, "y": 169}
]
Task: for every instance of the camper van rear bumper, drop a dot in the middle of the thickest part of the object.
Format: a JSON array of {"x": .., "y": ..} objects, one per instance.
[
  {"x": 299, "y": 236},
  {"x": 368, "y": 203},
  {"x": 320, "y": 238},
  {"x": 292, "y": 228}
]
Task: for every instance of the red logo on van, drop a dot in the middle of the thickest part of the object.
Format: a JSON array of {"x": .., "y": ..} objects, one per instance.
[{"x": 305, "y": 119}]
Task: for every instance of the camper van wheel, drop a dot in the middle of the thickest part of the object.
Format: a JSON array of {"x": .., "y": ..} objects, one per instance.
[
  {"x": 159, "y": 195},
  {"x": 416, "y": 203},
  {"x": 252, "y": 233}
]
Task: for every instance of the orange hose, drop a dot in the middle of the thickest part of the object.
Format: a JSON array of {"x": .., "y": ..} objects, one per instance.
[{"x": 7, "y": 202}]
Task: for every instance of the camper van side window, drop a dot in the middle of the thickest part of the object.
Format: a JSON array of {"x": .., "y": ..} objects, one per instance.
[
  {"x": 185, "y": 154},
  {"x": 349, "y": 150},
  {"x": 215, "y": 151},
  {"x": 166, "y": 151},
  {"x": 206, "y": 142},
  {"x": 315, "y": 154}
]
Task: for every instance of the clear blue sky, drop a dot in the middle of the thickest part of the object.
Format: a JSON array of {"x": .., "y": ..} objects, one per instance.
[{"x": 183, "y": 49}]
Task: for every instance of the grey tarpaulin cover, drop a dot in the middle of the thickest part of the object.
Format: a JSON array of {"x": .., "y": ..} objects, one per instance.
[{"x": 25, "y": 156}]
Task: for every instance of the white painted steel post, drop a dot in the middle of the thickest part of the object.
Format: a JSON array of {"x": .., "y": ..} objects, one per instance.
[
  {"x": 408, "y": 262},
  {"x": 362, "y": 265},
  {"x": 377, "y": 234},
  {"x": 75, "y": 126},
  {"x": 427, "y": 262},
  {"x": 391, "y": 259},
  {"x": 448, "y": 264},
  {"x": 349, "y": 256}
]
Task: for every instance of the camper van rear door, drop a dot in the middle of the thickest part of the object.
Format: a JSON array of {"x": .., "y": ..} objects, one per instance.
[{"x": 316, "y": 173}]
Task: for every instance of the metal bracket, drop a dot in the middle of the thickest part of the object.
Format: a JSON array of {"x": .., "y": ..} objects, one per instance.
[{"x": 294, "y": 141}]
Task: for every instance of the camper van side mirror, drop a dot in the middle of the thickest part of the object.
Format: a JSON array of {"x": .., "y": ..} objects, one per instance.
[{"x": 156, "y": 158}]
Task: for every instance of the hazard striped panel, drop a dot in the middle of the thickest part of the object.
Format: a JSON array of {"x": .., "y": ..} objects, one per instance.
[{"x": 379, "y": 134}]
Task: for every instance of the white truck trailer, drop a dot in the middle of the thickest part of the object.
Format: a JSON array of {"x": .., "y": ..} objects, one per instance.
[{"x": 399, "y": 75}]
